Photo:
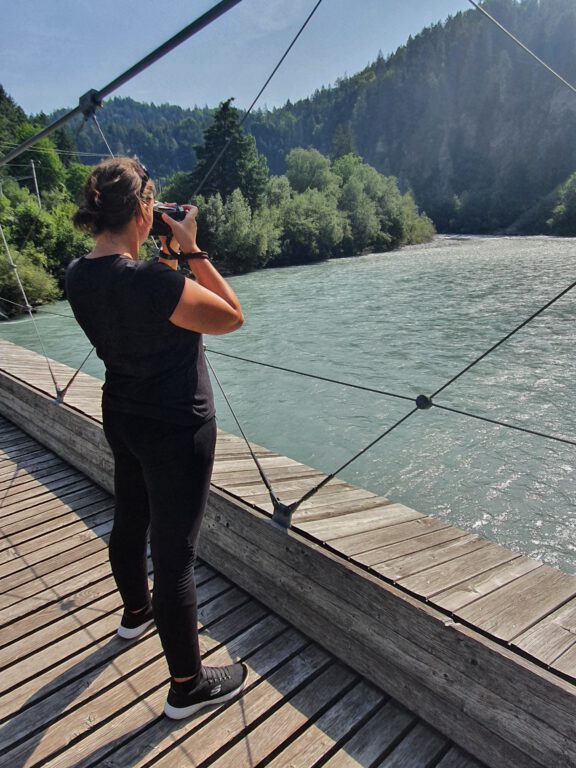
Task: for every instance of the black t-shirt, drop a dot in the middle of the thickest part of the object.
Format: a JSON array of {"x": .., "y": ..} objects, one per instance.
[{"x": 153, "y": 368}]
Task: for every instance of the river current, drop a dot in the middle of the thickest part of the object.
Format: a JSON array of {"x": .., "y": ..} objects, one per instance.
[{"x": 407, "y": 322}]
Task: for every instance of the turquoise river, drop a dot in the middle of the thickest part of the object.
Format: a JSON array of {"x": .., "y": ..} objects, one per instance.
[{"x": 407, "y": 322}]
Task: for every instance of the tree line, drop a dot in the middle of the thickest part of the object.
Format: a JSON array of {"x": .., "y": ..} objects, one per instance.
[
  {"x": 480, "y": 134},
  {"x": 320, "y": 208}
]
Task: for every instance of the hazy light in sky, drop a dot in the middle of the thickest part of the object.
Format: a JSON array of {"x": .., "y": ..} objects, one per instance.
[{"x": 53, "y": 52}]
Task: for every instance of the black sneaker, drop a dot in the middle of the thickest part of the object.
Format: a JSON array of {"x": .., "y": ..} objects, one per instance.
[
  {"x": 216, "y": 685},
  {"x": 135, "y": 624}
]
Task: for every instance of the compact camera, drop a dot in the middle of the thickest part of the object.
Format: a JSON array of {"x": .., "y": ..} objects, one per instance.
[{"x": 159, "y": 228}]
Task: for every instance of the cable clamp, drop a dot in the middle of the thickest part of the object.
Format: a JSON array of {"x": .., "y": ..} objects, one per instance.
[
  {"x": 89, "y": 103},
  {"x": 282, "y": 515},
  {"x": 424, "y": 402}
]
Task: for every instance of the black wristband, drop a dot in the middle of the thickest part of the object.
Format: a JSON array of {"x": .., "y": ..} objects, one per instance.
[{"x": 196, "y": 255}]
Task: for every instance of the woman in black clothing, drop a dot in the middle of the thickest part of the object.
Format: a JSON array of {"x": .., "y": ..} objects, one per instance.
[{"x": 145, "y": 320}]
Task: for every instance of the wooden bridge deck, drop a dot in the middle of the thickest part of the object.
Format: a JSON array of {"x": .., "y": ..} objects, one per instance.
[
  {"x": 73, "y": 694},
  {"x": 479, "y": 640}
]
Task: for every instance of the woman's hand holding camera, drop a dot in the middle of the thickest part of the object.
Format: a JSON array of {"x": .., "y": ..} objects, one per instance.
[{"x": 184, "y": 232}]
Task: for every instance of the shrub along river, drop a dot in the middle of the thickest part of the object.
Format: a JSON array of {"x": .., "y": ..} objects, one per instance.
[{"x": 407, "y": 322}]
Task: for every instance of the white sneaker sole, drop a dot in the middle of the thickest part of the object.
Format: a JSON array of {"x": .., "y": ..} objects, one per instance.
[{"x": 131, "y": 634}]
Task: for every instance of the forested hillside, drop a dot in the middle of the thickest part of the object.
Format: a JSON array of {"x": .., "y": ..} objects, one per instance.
[
  {"x": 460, "y": 115},
  {"x": 475, "y": 127}
]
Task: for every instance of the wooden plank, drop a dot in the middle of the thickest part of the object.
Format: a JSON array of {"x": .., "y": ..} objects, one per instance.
[
  {"x": 472, "y": 589},
  {"x": 415, "y": 562},
  {"x": 357, "y": 522},
  {"x": 360, "y": 543},
  {"x": 47, "y": 713},
  {"x": 94, "y": 737},
  {"x": 456, "y": 758},
  {"x": 44, "y": 641},
  {"x": 552, "y": 636},
  {"x": 378, "y": 736},
  {"x": 54, "y": 557},
  {"x": 275, "y": 671},
  {"x": 566, "y": 664},
  {"x": 517, "y": 606},
  {"x": 335, "y": 725},
  {"x": 78, "y": 667},
  {"x": 419, "y": 749},
  {"x": 375, "y": 612},
  {"x": 446, "y": 575},
  {"x": 409, "y": 546},
  {"x": 89, "y": 576},
  {"x": 54, "y": 580},
  {"x": 59, "y": 529},
  {"x": 292, "y": 715},
  {"x": 91, "y": 514},
  {"x": 33, "y": 505}
]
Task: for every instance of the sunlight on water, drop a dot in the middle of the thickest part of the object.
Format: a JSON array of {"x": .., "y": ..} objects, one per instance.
[{"x": 407, "y": 322}]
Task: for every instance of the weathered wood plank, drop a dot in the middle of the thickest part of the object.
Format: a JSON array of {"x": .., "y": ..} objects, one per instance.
[
  {"x": 275, "y": 671},
  {"x": 446, "y": 575},
  {"x": 87, "y": 713},
  {"x": 415, "y": 562},
  {"x": 96, "y": 738},
  {"x": 377, "y": 737},
  {"x": 410, "y": 546},
  {"x": 70, "y": 669},
  {"x": 515, "y": 607},
  {"x": 552, "y": 636},
  {"x": 92, "y": 513},
  {"x": 332, "y": 727},
  {"x": 358, "y": 522},
  {"x": 498, "y": 670},
  {"x": 419, "y": 749},
  {"x": 455, "y": 758},
  {"x": 288, "y": 718},
  {"x": 360, "y": 543},
  {"x": 472, "y": 589}
]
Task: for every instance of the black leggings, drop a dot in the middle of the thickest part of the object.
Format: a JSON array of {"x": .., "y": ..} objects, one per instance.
[{"x": 161, "y": 482}]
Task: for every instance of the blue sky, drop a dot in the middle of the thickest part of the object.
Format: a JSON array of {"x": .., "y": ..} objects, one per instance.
[{"x": 53, "y": 51}]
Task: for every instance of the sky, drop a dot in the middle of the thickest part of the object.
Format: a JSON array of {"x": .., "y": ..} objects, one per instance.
[{"x": 53, "y": 51}]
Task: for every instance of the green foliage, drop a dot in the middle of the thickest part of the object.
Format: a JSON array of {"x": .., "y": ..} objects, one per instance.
[
  {"x": 563, "y": 219},
  {"x": 76, "y": 176},
  {"x": 312, "y": 228},
  {"x": 47, "y": 164},
  {"x": 308, "y": 169},
  {"x": 228, "y": 160},
  {"x": 319, "y": 210},
  {"x": 177, "y": 189},
  {"x": 40, "y": 287}
]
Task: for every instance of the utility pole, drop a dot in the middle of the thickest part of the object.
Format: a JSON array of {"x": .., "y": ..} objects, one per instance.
[{"x": 36, "y": 184}]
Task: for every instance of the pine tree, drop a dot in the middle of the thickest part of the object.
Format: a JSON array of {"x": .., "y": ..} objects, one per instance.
[{"x": 239, "y": 166}]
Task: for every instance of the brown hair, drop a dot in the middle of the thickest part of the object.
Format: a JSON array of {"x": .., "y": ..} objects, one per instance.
[{"x": 113, "y": 195}]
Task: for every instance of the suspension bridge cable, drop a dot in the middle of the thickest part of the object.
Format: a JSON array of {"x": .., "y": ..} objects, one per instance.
[
  {"x": 327, "y": 479},
  {"x": 311, "y": 375},
  {"x": 260, "y": 92},
  {"x": 93, "y": 99},
  {"x": 508, "y": 335},
  {"x": 424, "y": 402},
  {"x": 522, "y": 45},
  {"x": 391, "y": 394},
  {"x": 36, "y": 309},
  {"x": 102, "y": 135},
  {"x": 62, "y": 392},
  {"x": 505, "y": 424},
  {"x": 256, "y": 461},
  {"x": 28, "y": 306}
]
